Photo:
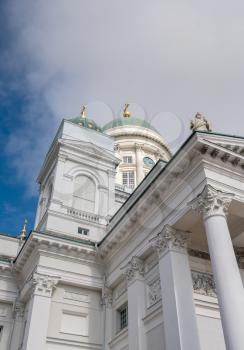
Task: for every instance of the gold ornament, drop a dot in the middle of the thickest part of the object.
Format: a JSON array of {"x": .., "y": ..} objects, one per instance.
[
  {"x": 23, "y": 231},
  {"x": 126, "y": 113}
]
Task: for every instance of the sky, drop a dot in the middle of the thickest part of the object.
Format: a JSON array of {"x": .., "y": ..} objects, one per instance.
[{"x": 169, "y": 59}]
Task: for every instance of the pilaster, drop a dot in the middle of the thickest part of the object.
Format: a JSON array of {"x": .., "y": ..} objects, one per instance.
[
  {"x": 42, "y": 287},
  {"x": 134, "y": 272},
  {"x": 18, "y": 314},
  {"x": 180, "y": 325}
]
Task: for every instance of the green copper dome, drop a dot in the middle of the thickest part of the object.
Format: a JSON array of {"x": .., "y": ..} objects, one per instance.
[
  {"x": 129, "y": 121},
  {"x": 86, "y": 123}
]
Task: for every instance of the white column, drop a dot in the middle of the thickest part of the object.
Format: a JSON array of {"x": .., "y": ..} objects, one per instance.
[
  {"x": 134, "y": 272},
  {"x": 107, "y": 301},
  {"x": 18, "y": 326},
  {"x": 139, "y": 164},
  {"x": 213, "y": 205},
  {"x": 179, "y": 316},
  {"x": 38, "y": 313}
]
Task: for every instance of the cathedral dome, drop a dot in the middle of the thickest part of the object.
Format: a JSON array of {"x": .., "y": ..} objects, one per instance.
[
  {"x": 86, "y": 123},
  {"x": 131, "y": 121}
]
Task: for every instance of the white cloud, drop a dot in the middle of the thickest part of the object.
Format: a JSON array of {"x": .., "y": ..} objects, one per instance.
[{"x": 173, "y": 57}]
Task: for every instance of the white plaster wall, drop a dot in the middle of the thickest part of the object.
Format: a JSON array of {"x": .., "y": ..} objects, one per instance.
[
  {"x": 210, "y": 333},
  {"x": 8, "y": 246},
  {"x": 155, "y": 338},
  {"x": 75, "y": 319}
]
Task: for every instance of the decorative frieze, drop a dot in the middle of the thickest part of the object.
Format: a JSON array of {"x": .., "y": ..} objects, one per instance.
[
  {"x": 43, "y": 285},
  {"x": 211, "y": 202},
  {"x": 134, "y": 267},
  {"x": 203, "y": 283},
  {"x": 154, "y": 292},
  {"x": 170, "y": 239}
]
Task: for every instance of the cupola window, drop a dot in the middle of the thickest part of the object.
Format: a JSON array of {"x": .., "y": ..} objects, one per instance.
[
  {"x": 127, "y": 159},
  {"x": 129, "y": 179}
]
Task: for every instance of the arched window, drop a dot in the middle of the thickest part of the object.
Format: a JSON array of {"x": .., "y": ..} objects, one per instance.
[{"x": 84, "y": 194}]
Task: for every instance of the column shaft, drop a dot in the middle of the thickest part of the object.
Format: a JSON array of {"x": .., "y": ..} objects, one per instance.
[
  {"x": 139, "y": 165},
  {"x": 213, "y": 204},
  {"x": 228, "y": 281}
]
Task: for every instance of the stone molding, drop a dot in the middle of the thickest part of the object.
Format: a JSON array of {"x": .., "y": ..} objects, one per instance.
[
  {"x": 134, "y": 268},
  {"x": 203, "y": 283},
  {"x": 211, "y": 202},
  {"x": 170, "y": 239},
  {"x": 43, "y": 285}
]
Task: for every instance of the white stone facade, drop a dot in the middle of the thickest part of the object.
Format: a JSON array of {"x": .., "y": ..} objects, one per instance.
[{"x": 163, "y": 271}]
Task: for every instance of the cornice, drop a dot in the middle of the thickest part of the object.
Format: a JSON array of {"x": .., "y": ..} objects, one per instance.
[
  {"x": 50, "y": 241},
  {"x": 130, "y": 133}
]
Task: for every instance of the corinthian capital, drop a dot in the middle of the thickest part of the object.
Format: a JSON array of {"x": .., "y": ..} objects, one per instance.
[
  {"x": 134, "y": 268},
  {"x": 170, "y": 239},
  {"x": 43, "y": 285},
  {"x": 211, "y": 202}
]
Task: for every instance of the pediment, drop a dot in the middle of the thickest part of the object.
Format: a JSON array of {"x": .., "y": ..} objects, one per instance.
[{"x": 91, "y": 149}]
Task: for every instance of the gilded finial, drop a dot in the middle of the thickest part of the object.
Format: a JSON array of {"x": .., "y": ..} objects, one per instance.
[
  {"x": 200, "y": 123},
  {"x": 126, "y": 113},
  {"x": 83, "y": 112},
  {"x": 23, "y": 231}
]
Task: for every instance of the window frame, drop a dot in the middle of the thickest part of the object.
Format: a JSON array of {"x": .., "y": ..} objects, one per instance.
[
  {"x": 84, "y": 231},
  {"x": 122, "y": 317},
  {"x": 126, "y": 158},
  {"x": 130, "y": 180}
]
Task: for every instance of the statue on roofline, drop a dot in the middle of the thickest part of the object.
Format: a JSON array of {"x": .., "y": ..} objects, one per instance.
[{"x": 200, "y": 123}]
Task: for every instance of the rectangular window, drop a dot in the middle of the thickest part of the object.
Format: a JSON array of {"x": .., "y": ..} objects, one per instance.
[
  {"x": 127, "y": 159},
  {"x": 123, "y": 317},
  {"x": 83, "y": 231},
  {"x": 129, "y": 179}
]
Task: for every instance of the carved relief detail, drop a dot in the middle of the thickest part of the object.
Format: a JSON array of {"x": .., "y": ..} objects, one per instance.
[
  {"x": 203, "y": 283},
  {"x": 211, "y": 202},
  {"x": 134, "y": 266},
  {"x": 43, "y": 285},
  {"x": 170, "y": 239},
  {"x": 154, "y": 292}
]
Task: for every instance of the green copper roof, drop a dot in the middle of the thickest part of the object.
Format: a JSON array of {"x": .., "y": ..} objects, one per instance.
[
  {"x": 86, "y": 123},
  {"x": 129, "y": 121}
]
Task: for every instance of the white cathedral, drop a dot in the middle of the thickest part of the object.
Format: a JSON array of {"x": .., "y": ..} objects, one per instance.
[{"x": 133, "y": 248}]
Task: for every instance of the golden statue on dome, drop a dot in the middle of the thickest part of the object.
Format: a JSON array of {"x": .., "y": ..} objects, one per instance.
[
  {"x": 126, "y": 113},
  {"x": 200, "y": 123},
  {"x": 23, "y": 231},
  {"x": 83, "y": 112}
]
